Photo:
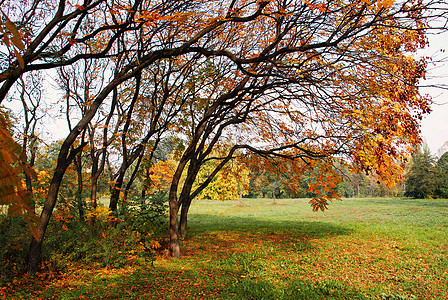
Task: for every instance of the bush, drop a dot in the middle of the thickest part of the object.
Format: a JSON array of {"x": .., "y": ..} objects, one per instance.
[
  {"x": 14, "y": 242},
  {"x": 135, "y": 233},
  {"x": 140, "y": 229},
  {"x": 148, "y": 215}
]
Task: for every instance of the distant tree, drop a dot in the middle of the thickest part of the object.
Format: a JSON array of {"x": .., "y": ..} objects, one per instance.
[
  {"x": 230, "y": 183},
  {"x": 422, "y": 179},
  {"x": 442, "y": 164}
]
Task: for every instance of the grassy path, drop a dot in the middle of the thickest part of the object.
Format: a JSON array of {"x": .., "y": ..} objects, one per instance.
[{"x": 359, "y": 249}]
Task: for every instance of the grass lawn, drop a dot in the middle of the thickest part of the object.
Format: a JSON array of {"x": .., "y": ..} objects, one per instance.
[{"x": 358, "y": 249}]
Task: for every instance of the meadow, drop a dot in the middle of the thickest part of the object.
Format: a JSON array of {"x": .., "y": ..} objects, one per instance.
[{"x": 358, "y": 249}]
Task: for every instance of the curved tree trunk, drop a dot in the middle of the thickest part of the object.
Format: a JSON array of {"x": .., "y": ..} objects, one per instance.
[
  {"x": 185, "y": 196},
  {"x": 115, "y": 193},
  {"x": 64, "y": 160},
  {"x": 35, "y": 250}
]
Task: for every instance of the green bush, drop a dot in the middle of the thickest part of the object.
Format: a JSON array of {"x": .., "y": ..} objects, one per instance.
[
  {"x": 148, "y": 215},
  {"x": 14, "y": 242},
  {"x": 138, "y": 230},
  {"x": 141, "y": 228}
]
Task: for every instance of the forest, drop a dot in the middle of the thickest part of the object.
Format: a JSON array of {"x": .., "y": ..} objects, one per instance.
[{"x": 164, "y": 103}]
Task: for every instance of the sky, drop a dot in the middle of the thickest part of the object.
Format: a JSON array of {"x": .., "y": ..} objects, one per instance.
[{"x": 435, "y": 125}]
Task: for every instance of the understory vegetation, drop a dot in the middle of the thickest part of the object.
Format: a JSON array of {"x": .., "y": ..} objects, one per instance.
[
  {"x": 112, "y": 241},
  {"x": 378, "y": 248}
]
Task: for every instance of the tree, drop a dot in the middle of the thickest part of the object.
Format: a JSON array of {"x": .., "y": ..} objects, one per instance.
[
  {"x": 442, "y": 165},
  {"x": 136, "y": 59},
  {"x": 51, "y": 45},
  {"x": 230, "y": 183},
  {"x": 311, "y": 82},
  {"x": 422, "y": 179}
]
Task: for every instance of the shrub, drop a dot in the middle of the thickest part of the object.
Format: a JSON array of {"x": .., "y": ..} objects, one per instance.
[
  {"x": 135, "y": 233},
  {"x": 14, "y": 242}
]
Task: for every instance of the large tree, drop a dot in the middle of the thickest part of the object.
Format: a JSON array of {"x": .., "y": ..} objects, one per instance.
[
  {"x": 310, "y": 81},
  {"x": 423, "y": 177}
]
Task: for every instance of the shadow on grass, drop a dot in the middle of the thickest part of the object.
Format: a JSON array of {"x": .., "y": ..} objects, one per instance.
[
  {"x": 141, "y": 283},
  {"x": 192, "y": 284},
  {"x": 199, "y": 224},
  {"x": 297, "y": 289}
]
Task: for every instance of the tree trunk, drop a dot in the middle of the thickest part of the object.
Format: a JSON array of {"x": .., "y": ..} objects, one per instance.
[
  {"x": 185, "y": 195},
  {"x": 174, "y": 228},
  {"x": 78, "y": 164},
  {"x": 93, "y": 200},
  {"x": 64, "y": 160},
  {"x": 29, "y": 190},
  {"x": 240, "y": 192},
  {"x": 144, "y": 187},
  {"x": 174, "y": 210},
  {"x": 96, "y": 171},
  {"x": 27, "y": 175},
  {"x": 35, "y": 250},
  {"x": 133, "y": 176},
  {"x": 183, "y": 218},
  {"x": 115, "y": 193}
]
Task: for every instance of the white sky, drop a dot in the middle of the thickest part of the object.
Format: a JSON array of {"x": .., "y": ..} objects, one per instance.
[{"x": 435, "y": 125}]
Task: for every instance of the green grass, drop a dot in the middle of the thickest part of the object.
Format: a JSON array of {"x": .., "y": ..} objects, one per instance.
[{"x": 358, "y": 249}]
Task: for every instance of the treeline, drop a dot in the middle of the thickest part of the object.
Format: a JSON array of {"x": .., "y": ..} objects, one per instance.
[
  {"x": 424, "y": 176},
  {"x": 427, "y": 176}
]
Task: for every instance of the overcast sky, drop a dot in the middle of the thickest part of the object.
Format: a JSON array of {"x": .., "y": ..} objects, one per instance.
[{"x": 435, "y": 125}]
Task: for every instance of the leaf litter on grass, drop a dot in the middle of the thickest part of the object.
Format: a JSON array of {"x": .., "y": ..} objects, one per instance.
[{"x": 275, "y": 257}]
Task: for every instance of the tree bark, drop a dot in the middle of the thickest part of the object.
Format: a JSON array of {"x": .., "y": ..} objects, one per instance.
[
  {"x": 144, "y": 187},
  {"x": 79, "y": 200},
  {"x": 174, "y": 228},
  {"x": 115, "y": 193},
  {"x": 35, "y": 250},
  {"x": 93, "y": 199},
  {"x": 174, "y": 210},
  {"x": 240, "y": 192},
  {"x": 183, "y": 218},
  {"x": 185, "y": 196}
]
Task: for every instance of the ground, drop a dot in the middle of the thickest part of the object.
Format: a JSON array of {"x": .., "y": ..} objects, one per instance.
[{"x": 358, "y": 249}]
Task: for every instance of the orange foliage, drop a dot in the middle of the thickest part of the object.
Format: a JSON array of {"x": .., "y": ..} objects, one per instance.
[{"x": 160, "y": 175}]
